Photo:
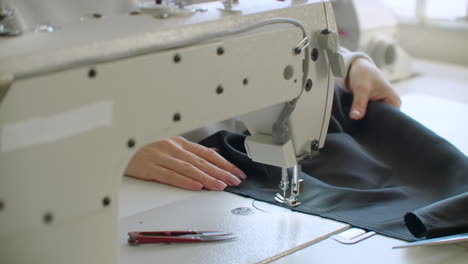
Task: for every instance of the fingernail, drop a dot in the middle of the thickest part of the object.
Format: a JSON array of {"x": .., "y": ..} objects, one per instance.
[
  {"x": 196, "y": 185},
  {"x": 233, "y": 181},
  {"x": 355, "y": 114},
  {"x": 219, "y": 185},
  {"x": 216, "y": 149},
  {"x": 239, "y": 173}
]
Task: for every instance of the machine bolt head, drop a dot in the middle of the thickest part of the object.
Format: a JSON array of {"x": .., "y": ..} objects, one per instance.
[
  {"x": 308, "y": 85},
  {"x": 106, "y": 201},
  {"x": 314, "y": 54}
]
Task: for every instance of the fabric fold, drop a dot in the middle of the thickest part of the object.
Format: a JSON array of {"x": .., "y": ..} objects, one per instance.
[{"x": 439, "y": 219}]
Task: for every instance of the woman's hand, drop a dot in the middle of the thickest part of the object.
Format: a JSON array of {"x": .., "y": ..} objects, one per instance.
[
  {"x": 184, "y": 164},
  {"x": 367, "y": 83}
]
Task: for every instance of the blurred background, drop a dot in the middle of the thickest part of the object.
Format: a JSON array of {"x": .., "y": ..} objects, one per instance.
[
  {"x": 422, "y": 48},
  {"x": 433, "y": 29}
]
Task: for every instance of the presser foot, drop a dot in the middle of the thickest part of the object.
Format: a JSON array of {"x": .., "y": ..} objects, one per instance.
[
  {"x": 293, "y": 184},
  {"x": 286, "y": 201}
]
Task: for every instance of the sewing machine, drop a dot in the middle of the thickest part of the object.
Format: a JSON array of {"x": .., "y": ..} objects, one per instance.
[
  {"x": 371, "y": 27},
  {"x": 77, "y": 100}
]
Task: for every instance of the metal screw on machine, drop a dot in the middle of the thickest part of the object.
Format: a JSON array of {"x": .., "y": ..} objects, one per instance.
[
  {"x": 177, "y": 58},
  {"x": 219, "y": 89},
  {"x": 48, "y": 217},
  {"x": 176, "y": 117},
  {"x": 92, "y": 73},
  {"x": 106, "y": 201},
  {"x": 131, "y": 143},
  {"x": 308, "y": 85},
  {"x": 314, "y": 54}
]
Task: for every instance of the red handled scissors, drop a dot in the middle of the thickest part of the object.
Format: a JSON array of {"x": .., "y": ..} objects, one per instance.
[{"x": 138, "y": 238}]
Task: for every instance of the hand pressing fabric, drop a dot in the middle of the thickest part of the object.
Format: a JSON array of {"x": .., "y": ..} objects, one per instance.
[
  {"x": 181, "y": 163},
  {"x": 367, "y": 83}
]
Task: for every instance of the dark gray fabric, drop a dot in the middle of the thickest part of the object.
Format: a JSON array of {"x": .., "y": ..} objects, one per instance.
[
  {"x": 370, "y": 174},
  {"x": 443, "y": 218}
]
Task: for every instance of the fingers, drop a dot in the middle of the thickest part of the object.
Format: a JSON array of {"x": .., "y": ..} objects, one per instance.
[
  {"x": 368, "y": 83},
  {"x": 207, "y": 167},
  {"x": 142, "y": 168},
  {"x": 393, "y": 99},
  {"x": 213, "y": 158},
  {"x": 171, "y": 177},
  {"x": 362, "y": 97},
  {"x": 216, "y": 149},
  {"x": 359, "y": 107},
  {"x": 190, "y": 165},
  {"x": 183, "y": 164}
]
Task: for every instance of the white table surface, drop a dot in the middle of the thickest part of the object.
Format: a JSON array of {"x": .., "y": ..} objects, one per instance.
[
  {"x": 261, "y": 235},
  {"x": 438, "y": 99}
]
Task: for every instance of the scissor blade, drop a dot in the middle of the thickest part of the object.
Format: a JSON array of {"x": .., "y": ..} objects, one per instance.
[
  {"x": 206, "y": 233},
  {"x": 213, "y": 233},
  {"x": 217, "y": 238}
]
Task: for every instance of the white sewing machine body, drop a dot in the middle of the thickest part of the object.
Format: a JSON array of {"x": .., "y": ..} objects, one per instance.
[
  {"x": 369, "y": 26},
  {"x": 80, "y": 101}
]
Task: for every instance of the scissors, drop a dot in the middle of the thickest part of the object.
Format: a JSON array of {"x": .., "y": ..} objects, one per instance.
[{"x": 153, "y": 237}]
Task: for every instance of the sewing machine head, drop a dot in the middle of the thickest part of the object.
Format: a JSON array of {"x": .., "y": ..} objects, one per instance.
[{"x": 80, "y": 99}]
